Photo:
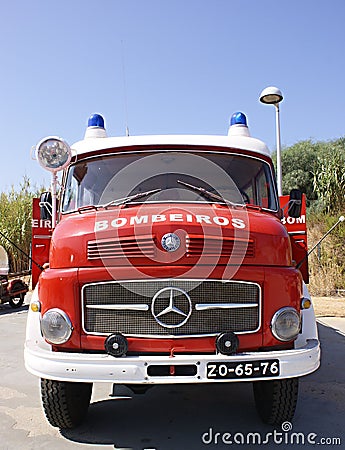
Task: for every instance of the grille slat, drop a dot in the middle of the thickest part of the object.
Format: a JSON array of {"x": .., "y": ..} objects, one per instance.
[
  {"x": 145, "y": 246},
  {"x": 216, "y": 246},
  {"x": 130, "y": 321},
  {"x": 121, "y": 247}
]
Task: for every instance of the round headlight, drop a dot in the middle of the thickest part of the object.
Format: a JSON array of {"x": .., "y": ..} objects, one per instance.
[
  {"x": 56, "y": 326},
  {"x": 286, "y": 324},
  {"x": 53, "y": 153}
]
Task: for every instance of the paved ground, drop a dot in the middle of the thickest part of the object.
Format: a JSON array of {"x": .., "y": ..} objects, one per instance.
[
  {"x": 338, "y": 323},
  {"x": 168, "y": 418}
]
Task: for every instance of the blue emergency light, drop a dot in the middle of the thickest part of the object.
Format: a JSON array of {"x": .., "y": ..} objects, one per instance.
[
  {"x": 96, "y": 120},
  {"x": 238, "y": 118}
]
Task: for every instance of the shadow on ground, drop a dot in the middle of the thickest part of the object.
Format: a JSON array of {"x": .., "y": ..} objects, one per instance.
[{"x": 7, "y": 309}]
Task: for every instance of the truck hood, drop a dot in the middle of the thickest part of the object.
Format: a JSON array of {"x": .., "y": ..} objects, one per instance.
[{"x": 169, "y": 234}]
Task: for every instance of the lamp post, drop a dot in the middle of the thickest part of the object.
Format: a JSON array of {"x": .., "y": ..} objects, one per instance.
[{"x": 273, "y": 96}]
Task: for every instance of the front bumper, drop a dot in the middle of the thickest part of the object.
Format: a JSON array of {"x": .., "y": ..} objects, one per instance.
[{"x": 83, "y": 367}]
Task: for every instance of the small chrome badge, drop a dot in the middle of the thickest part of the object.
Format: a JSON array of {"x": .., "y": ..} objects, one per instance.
[{"x": 171, "y": 242}]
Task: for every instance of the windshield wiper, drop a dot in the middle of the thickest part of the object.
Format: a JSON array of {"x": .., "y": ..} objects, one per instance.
[
  {"x": 207, "y": 194},
  {"x": 86, "y": 208},
  {"x": 130, "y": 198}
]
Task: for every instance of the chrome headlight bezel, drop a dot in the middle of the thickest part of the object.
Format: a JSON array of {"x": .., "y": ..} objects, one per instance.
[
  {"x": 58, "y": 332},
  {"x": 53, "y": 153},
  {"x": 276, "y": 323}
]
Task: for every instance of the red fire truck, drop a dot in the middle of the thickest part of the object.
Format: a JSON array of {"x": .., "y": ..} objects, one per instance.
[{"x": 170, "y": 261}]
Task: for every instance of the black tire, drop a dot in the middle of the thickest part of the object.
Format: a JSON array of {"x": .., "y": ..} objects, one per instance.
[
  {"x": 65, "y": 404},
  {"x": 16, "y": 301},
  {"x": 276, "y": 400}
]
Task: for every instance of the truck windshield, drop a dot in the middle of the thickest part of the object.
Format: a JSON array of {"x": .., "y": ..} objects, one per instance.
[{"x": 102, "y": 180}]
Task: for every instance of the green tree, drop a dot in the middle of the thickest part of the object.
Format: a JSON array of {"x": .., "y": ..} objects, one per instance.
[
  {"x": 298, "y": 166},
  {"x": 317, "y": 169}
]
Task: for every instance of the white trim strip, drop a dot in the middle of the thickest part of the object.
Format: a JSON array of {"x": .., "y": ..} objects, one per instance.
[
  {"x": 124, "y": 307},
  {"x": 206, "y": 306}
]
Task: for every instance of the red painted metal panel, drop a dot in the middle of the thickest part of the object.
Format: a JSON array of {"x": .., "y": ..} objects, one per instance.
[
  {"x": 297, "y": 229},
  {"x": 41, "y": 236}
]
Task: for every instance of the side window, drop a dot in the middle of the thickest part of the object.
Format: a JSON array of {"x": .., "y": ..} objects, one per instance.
[
  {"x": 79, "y": 188},
  {"x": 71, "y": 193},
  {"x": 248, "y": 194},
  {"x": 87, "y": 197}
]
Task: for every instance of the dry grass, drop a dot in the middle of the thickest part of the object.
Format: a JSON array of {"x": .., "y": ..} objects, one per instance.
[
  {"x": 329, "y": 306},
  {"x": 326, "y": 266}
]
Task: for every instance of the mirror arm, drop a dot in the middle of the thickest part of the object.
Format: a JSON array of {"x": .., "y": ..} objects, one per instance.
[{"x": 47, "y": 206}]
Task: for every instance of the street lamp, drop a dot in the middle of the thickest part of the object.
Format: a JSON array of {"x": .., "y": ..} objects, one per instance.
[{"x": 273, "y": 96}]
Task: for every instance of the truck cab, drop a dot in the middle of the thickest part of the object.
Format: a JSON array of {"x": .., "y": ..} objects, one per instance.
[{"x": 169, "y": 262}]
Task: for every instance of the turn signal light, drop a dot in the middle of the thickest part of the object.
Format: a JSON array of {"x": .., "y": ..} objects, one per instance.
[
  {"x": 305, "y": 303},
  {"x": 35, "y": 306}
]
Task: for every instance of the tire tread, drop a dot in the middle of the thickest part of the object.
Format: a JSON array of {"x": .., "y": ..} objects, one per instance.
[
  {"x": 65, "y": 404},
  {"x": 276, "y": 400}
]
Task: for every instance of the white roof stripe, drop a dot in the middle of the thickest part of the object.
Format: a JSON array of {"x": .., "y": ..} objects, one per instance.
[{"x": 238, "y": 142}]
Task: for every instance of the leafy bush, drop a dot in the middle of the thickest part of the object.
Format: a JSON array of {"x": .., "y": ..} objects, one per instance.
[
  {"x": 329, "y": 177},
  {"x": 15, "y": 223}
]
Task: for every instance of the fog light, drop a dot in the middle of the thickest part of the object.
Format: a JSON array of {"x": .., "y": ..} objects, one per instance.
[
  {"x": 286, "y": 324},
  {"x": 56, "y": 326},
  {"x": 116, "y": 345},
  {"x": 227, "y": 343}
]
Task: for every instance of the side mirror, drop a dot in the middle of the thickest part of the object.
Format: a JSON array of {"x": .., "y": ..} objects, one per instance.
[
  {"x": 46, "y": 206},
  {"x": 295, "y": 203}
]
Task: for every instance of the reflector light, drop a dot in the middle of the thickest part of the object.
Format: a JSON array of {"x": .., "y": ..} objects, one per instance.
[
  {"x": 53, "y": 154},
  {"x": 96, "y": 120},
  {"x": 238, "y": 118}
]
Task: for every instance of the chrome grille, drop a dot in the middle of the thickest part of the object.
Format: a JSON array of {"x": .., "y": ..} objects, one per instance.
[{"x": 125, "y": 307}]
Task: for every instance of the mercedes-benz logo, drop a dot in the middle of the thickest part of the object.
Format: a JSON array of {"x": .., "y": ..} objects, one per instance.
[
  {"x": 171, "y": 242},
  {"x": 171, "y": 307}
]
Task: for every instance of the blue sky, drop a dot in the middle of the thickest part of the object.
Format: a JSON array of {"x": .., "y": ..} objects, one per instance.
[{"x": 189, "y": 64}]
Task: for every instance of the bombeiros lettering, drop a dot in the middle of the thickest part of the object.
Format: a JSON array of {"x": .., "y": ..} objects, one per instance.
[
  {"x": 292, "y": 220},
  {"x": 41, "y": 223},
  {"x": 119, "y": 222}
]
